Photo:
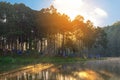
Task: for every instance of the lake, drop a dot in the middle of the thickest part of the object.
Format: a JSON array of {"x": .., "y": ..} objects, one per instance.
[{"x": 108, "y": 69}]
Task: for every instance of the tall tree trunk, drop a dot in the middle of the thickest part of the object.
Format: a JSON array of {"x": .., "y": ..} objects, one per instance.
[
  {"x": 63, "y": 42},
  {"x": 41, "y": 46},
  {"x": 54, "y": 44}
]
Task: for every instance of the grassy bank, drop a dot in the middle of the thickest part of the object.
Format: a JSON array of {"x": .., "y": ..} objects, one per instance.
[{"x": 9, "y": 63}]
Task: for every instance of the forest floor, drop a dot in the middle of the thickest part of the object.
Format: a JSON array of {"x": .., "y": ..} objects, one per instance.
[{"x": 8, "y": 63}]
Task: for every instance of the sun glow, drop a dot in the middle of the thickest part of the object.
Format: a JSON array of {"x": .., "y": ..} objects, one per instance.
[
  {"x": 88, "y": 75},
  {"x": 69, "y": 7},
  {"x": 81, "y": 7}
]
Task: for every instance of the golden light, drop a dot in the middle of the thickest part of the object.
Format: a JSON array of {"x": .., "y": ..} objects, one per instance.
[{"x": 89, "y": 75}]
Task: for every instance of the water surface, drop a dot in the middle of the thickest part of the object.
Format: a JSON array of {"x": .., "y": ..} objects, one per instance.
[{"x": 108, "y": 69}]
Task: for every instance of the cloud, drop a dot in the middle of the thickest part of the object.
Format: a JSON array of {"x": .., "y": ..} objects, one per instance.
[
  {"x": 81, "y": 7},
  {"x": 100, "y": 12}
]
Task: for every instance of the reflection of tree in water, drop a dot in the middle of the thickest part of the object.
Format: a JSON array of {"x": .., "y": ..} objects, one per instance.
[
  {"x": 58, "y": 72},
  {"x": 90, "y": 70},
  {"x": 107, "y": 68},
  {"x": 78, "y": 72}
]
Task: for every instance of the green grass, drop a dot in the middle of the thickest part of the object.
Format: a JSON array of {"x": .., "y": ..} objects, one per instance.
[{"x": 10, "y": 63}]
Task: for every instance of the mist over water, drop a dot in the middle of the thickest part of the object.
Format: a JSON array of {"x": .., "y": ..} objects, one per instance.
[{"x": 108, "y": 69}]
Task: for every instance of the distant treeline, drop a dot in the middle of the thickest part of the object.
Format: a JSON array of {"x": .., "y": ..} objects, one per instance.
[
  {"x": 113, "y": 36},
  {"x": 47, "y": 32}
]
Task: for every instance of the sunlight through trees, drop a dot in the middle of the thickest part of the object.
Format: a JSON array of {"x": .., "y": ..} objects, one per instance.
[{"x": 46, "y": 31}]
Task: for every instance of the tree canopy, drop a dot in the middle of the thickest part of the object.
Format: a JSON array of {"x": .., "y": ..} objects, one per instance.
[{"x": 47, "y": 30}]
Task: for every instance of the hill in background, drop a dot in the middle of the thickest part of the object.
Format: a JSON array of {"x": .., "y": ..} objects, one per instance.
[{"x": 113, "y": 35}]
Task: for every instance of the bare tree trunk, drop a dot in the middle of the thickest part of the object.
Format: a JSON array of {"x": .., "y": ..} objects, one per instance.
[{"x": 41, "y": 46}]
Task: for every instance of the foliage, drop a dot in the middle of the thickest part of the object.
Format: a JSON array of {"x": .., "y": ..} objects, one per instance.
[
  {"x": 113, "y": 33},
  {"x": 22, "y": 28}
]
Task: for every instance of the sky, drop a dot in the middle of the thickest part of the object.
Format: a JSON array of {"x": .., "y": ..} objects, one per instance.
[{"x": 100, "y": 12}]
